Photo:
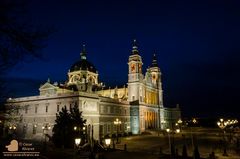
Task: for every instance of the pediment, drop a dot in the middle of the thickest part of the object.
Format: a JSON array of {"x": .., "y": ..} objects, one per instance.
[{"x": 47, "y": 86}]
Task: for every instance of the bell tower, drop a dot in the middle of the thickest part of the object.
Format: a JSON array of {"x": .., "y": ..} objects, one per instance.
[
  {"x": 156, "y": 80},
  {"x": 135, "y": 75},
  {"x": 135, "y": 81}
]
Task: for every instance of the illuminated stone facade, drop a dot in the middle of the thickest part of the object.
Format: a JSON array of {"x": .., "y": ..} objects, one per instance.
[{"x": 138, "y": 104}]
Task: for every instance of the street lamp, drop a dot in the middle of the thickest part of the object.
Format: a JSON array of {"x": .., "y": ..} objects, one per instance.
[
  {"x": 75, "y": 128},
  {"x": 77, "y": 142},
  {"x": 180, "y": 123},
  {"x": 45, "y": 132},
  {"x": 108, "y": 142},
  {"x": 169, "y": 140},
  {"x": 117, "y": 122},
  {"x": 12, "y": 127},
  {"x": 194, "y": 121},
  {"x": 169, "y": 131},
  {"x": 222, "y": 125},
  {"x": 12, "y": 130},
  {"x": 80, "y": 131}
]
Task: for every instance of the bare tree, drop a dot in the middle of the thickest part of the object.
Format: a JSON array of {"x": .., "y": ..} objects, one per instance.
[{"x": 20, "y": 38}]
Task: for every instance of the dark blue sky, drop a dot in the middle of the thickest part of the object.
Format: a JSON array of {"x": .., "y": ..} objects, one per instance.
[{"x": 197, "y": 44}]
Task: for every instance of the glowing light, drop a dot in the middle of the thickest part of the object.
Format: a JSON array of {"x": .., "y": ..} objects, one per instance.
[
  {"x": 177, "y": 130},
  {"x": 180, "y": 121},
  {"x": 77, "y": 141},
  {"x": 163, "y": 121},
  {"x": 117, "y": 121},
  {"x": 108, "y": 142},
  {"x": 194, "y": 120}
]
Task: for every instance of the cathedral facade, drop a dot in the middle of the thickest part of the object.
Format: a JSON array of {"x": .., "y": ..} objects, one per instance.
[{"x": 138, "y": 104}]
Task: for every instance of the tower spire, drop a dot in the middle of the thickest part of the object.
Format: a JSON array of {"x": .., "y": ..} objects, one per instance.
[
  {"x": 83, "y": 53},
  {"x": 154, "y": 61},
  {"x": 134, "y": 47}
]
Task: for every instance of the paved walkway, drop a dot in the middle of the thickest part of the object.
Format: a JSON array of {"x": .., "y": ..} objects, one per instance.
[{"x": 151, "y": 144}]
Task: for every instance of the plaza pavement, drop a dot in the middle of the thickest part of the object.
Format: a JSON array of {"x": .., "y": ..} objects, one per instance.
[{"x": 208, "y": 141}]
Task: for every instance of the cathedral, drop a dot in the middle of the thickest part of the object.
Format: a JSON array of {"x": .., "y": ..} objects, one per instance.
[{"x": 137, "y": 106}]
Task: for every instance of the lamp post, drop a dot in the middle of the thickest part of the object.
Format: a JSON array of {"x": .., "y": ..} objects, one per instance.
[
  {"x": 169, "y": 131},
  {"x": 193, "y": 121},
  {"x": 12, "y": 127},
  {"x": 117, "y": 122},
  {"x": 180, "y": 123},
  {"x": 108, "y": 142},
  {"x": 80, "y": 132},
  {"x": 77, "y": 142},
  {"x": 232, "y": 122},
  {"x": 222, "y": 125},
  {"x": 169, "y": 140},
  {"x": 45, "y": 129},
  {"x": 12, "y": 130}
]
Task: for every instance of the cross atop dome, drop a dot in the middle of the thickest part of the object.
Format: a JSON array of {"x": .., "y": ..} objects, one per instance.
[
  {"x": 83, "y": 53},
  {"x": 134, "y": 47},
  {"x": 154, "y": 61}
]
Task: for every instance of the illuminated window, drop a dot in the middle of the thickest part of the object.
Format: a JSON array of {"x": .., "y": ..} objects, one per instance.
[{"x": 132, "y": 67}]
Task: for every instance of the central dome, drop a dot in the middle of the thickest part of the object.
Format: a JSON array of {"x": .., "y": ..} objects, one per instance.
[{"x": 83, "y": 64}]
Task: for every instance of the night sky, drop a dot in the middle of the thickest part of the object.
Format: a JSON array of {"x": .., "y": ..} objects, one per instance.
[{"x": 196, "y": 42}]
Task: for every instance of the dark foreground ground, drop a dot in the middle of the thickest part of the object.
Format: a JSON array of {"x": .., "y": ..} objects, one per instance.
[{"x": 154, "y": 145}]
